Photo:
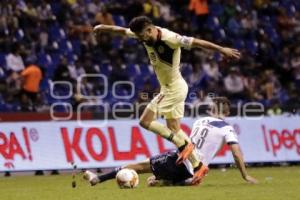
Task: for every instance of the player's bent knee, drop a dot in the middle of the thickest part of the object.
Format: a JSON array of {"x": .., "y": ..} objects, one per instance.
[{"x": 145, "y": 124}]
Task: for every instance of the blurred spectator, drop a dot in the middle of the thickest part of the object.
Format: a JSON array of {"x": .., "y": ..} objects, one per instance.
[
  {"x": 104, "y": 17},
  {"x": 165, "y": 11},
  {"x": 249, "y": 22},
  {"x": 76, "y": 70},
  {"x": 200, "y": 10},
  {"x": 31, "y": 78},
  {"x": 275, "y": 108},
  {"x": 287, "y": 22},
  {"x": 62, "y": 72},
  {"x": 93, "y": 7},
  {"x": 270, "y": 85},
  {"x": 151, "y": 8},
  {"x": 212, "y": 70},
  {"x": 45, "y": 12},
  {"x": 292, "y": 105},
  {"x": 134, "y": 8},
  {"x": 199, "y": 7},
  {"x": 261, "y": 3},
  {"x": 14, "y": 65},
  {"x": 234, "y": 84},
  {"x": 14, "y": 60}
]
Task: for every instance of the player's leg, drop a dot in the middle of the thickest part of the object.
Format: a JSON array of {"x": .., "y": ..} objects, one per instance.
[
  {"x": 147, "y": 121},
  {"x": 186, "y": 150},
  {"x": 174, "y": 125},
  {"x": 166, "y": 171},
  {"x": 140, "y": 168}
]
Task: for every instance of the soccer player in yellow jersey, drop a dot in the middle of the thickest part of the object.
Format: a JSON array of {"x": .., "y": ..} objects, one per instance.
[{"x": 164, "y": 50}]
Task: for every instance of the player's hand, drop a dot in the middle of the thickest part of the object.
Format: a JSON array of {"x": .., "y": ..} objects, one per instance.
[
  {"x": 231, "y": 53},
  {"x": 251, "y": 180},
  {"x": 97, "y": 29}
]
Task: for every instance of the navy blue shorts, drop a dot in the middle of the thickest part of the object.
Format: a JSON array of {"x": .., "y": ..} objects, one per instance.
[{"x": 164, "y": 167}]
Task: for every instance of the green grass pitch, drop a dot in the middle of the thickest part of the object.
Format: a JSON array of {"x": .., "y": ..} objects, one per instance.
[{"x": 276, "y": 183}]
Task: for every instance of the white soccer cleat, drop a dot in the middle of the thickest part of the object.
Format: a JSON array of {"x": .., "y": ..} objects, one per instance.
[{"x": 91, "y": 177}]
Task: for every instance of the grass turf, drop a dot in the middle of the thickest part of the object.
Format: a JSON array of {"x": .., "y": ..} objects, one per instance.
[{"x": 276, "y": 183}]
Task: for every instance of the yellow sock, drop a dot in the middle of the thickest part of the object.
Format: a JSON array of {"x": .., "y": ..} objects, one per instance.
[
  {"x": 165, "y": 132},
  {"x": 183, "y": 135}
]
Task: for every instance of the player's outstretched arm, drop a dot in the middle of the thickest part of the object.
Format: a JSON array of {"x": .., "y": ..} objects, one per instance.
[
  {"x": 228, "y": 52},
  {"x": 238, "y": 157},
  {"x": 116, "y": 30}
]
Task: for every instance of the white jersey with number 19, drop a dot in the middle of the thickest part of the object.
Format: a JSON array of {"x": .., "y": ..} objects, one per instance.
[{"x": 208, "y": 135}]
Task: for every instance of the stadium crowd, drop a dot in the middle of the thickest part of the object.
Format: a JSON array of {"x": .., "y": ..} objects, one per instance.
[{"x": 55, "y": 40}]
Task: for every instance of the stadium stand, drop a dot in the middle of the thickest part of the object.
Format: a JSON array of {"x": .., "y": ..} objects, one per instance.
[{"x": 56, "y": 36}]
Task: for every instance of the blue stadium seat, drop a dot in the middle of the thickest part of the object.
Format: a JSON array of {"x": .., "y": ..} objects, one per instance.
[
  {"x": 76, "y": 46},
  {"x": 119, "y": 20},
  {"x": 106, "y": 69},
  {"x": 44, "y": 60},
  {"x": 56, "y": 33},
  {"x": 3, "y": 60},
  {"x": 116, "y": 42},
  {"x": 213, "y": 22},
  {"x": 19, "y": 34},
  {"x": 216, "y": 9},
  {"x": 251, "y": 46},
  {"x": 2, "y": 74},
  {"x": 154, "y": 81},
  {"x": 139, "y": 81},
  {"x": 219, "y": 34},
  {"x": 145, "y": 69},
  {"x": 131, "y": 42},
  {"x": 133, "y": 70},
  {"x": 238, "y": 43},
  {"x": 186, "y": 70},
  {"x": 273, "y": 35}
]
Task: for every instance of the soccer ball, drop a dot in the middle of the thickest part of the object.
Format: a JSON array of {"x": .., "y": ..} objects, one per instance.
[{"x": 127, "y": 178}]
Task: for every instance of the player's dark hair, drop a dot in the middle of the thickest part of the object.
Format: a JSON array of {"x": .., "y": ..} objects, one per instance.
[
  {"x": 221, "y": 105},
  {"x": 137, "y": 24}
]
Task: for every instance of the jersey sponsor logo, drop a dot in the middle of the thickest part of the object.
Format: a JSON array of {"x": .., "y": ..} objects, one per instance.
[
  {"x": 164, "y": 52},
  {"x": 161, "y": 49},
  {"x": 153, "y": 57}
]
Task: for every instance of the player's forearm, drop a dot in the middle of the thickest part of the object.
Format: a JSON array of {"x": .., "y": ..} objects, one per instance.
[
  {"x": 118, "y": 30},
  {"x": 239, "y": 161},
  {"x": 197, "y": 43}
]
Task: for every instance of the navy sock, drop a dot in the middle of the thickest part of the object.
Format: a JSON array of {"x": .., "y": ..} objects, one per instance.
[{"x": 109, "y": 175}]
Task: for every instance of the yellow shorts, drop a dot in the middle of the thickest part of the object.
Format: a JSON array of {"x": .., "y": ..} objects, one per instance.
[{"x": 170, "y": 101}]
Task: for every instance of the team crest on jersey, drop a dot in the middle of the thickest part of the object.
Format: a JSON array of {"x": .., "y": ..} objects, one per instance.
[
  {"x": 153, "y": 57},
  {"x": 161, "y": 49}
]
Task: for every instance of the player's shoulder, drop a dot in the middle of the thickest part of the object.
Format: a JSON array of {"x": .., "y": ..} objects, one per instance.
[
  {"x": 204, "y": 120},
  {"x": 213, "y": 122},
  {"x": 167, "y": 34}
]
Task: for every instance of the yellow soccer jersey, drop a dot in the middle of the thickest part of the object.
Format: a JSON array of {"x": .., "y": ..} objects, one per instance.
[{"x": 165, "y": 54}]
